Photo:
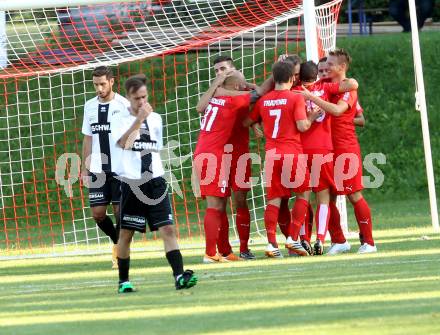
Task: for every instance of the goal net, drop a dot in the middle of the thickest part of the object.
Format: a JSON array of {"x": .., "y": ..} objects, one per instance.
[{"x": 46, "y": 79}]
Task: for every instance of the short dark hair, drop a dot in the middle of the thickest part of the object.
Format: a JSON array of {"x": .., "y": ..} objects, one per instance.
[
  {"x": 134, "y": 83},
  {"x": 342, "y": 55},
  {"x": 103, "y": 71},
  {"x": 308, "y": 71},
  {"x": 322, "y": 60},
  {"x": 222, "y": 58},
  {"x": 294, "y": 59},
  {"x": 282, "y": 72}
]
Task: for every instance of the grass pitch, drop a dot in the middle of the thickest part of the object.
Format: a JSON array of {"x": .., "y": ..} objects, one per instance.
[{"x": 395, "y": 291}]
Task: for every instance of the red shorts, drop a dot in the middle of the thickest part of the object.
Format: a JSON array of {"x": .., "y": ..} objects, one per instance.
[
  {"x": 240, "y": 170},
  {"x": 348, "y": 170},
  {"x": 211, "y": 176},
  {"x": 320, "y": 166},
  {"x": 281, "y": 182}
]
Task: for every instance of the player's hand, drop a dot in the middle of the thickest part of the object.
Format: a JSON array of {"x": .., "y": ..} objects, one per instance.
[
  {"x": 314, "y": 113},
  {"x": 219, "y": 80},
  {"x": 250, "y": 86},
  {"x": 257, "y": 130},
  {"x": 282, "y": 58},
  {"x": 144, "y": 111},
  {"x": 304, "y": 92}
]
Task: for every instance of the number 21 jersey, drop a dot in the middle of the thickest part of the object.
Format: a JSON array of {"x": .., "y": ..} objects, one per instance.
[{"x": 218, "y": 122}]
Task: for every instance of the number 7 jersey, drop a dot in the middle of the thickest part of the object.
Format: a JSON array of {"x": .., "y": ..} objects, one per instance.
[
  {"x": 279, "y": 111},
  {"x": 218, "y": 122}
]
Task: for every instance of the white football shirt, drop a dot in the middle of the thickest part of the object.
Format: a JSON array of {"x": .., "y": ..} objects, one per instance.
[
  {"x": 142, "y": 161},
  {"x": 97, "y": 122}
]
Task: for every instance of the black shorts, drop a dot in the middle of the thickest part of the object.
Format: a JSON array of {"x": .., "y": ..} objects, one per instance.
[
  {"x": 154, "y": 209},
  {"x": 110, "y": 191}
]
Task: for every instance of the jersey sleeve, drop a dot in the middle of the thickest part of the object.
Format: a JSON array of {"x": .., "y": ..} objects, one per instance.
[
  {"x": 86, "y": 128},
  {"x": 299, "y": 108},
  {"x": 255, "y": 113},
  {"x": 330, "y": 88},
  {"x": 350, "y": 98}
]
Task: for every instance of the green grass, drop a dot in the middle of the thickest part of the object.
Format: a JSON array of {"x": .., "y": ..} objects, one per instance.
[{"x": 392, "y": 292}]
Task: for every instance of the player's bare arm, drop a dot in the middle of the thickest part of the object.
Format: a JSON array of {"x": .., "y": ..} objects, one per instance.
[
  {"x": 86, "y": 152},
  {"x": 348, "y": 85},
  {"x": 359, "y": 120},
  {"x": 303, "y": 125},
  {"x": 334, "y": 109},
  {"x": 126, "y": 141}
]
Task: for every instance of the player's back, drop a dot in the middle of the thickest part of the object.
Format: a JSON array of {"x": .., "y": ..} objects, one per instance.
[
  {"x": 240, "y": 134},
  {"x": 218, "y": 122},
  {"x": 343, "y": 128},
  {"x": 279, "y": 111}
]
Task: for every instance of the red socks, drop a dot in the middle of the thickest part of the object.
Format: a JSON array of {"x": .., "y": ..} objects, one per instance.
[
  {"x": 223, "y": 245},
  {"x": 299, "y": 213},
  {"x": 334, "y": 224},
  {"x": 270, "y": 221},
  {"x": 212, "y": 224},
  {"x": 307, "y": 227},
  {"x": 284, "y": 217},
  {"x": 243, "y": 222},
  {"x": 363, "y": 217},
  {"x": 322, "y": 219}
]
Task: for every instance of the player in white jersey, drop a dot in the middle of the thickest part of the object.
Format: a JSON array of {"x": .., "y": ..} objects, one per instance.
[
  {"x": 98, "y": 152},
  {"x": 144, "y": 199}
]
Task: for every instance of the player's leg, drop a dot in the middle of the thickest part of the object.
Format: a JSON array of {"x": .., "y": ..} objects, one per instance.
[
  {"x": 240, "y": 175},
  {"x": 100, "y": 197},
  {"x": 223, "y": 245},
  {"x": 306, "y": 230},
  {"x": 300, "y": 208},
  {"x": 215, "y": 207},
  {"x": 284, "y": 217},
  {"x": 243, "y": 223},
  {"x": 183, "y": 279},
  {"x": 116, "y": 198},
  {"x": 125, "y": 238},
  {"x": 298, "y": 215},
  {"x": 363, "y": 217},
  {"x": 339, "y": 243},
  {"x": 159, "y": 218},
  {"x": 270, "y": 221},
  {"x": 322, "y": 218}
]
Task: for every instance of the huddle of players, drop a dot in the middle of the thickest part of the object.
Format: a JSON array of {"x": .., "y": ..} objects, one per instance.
[
  {"x": 121, "y": 164},
  {"x": 299, "y": 115}
]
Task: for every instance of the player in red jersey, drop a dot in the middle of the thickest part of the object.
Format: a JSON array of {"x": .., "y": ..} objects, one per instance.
[
  {"x": 212, "y": 163},
  {"x": 347, "y": 157},
  {"x": 359, "y": 119},
  {"x": 283, "y": 115},
  {"x": 268, "y": 85},
  {"x": 224, "y": 66},
  {"x": 317, "y": 144}
]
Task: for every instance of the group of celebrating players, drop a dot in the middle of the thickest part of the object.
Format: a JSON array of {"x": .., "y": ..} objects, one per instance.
[
  {"x": 311, "y": 145},
  {"x": 308, "y": 113}
]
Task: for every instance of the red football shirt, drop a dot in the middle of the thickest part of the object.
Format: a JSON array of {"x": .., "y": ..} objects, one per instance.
[
  {"x": 279, "y": 111},
  {"x": 343, "y": 129},
  {"x": 218, "y": 122},
  {"x": 319, "y": 135},
  {"x": 240, "y": 134}
]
